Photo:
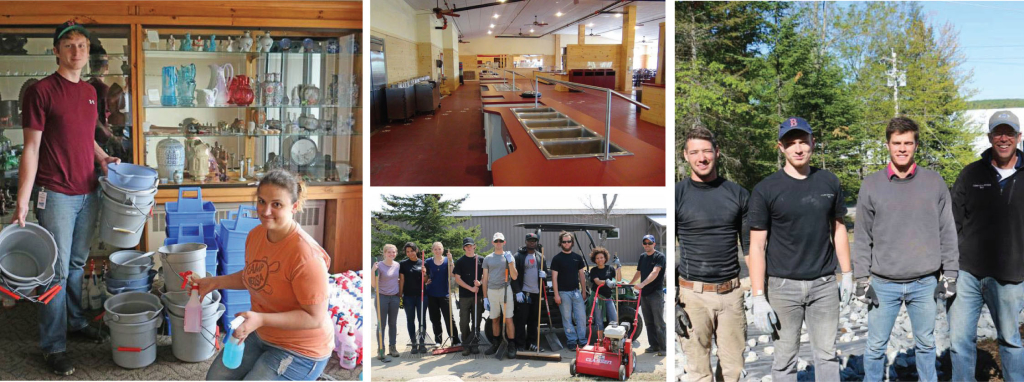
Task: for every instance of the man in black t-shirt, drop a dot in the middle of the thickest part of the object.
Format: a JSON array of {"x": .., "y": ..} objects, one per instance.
[
  {"x": 468, "y": 273},
  {"x": 650, "y": 272},
  {"x": 567, "y": 278},
  {"x": 411, "y": 274},
  {"x": 711, "y": 214},
  {"x": 798, "y": 211}
]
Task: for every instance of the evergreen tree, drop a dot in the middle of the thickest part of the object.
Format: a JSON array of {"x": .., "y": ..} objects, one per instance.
[{"x": 422, "y": 219}]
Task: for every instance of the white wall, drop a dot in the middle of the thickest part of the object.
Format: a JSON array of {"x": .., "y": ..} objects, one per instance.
[
  {"x": 393, "y": 17},
  {"x": 515, "y": 46},
  {"x": 574, "y": 39}
]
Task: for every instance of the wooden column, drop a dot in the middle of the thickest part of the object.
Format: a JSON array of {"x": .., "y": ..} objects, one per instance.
[
  {"x": 558, "y": 52},
  {"x": 659, "y": 77},
  {"x": 583, "y": 34},
  {"x": 625, "y": 79}
]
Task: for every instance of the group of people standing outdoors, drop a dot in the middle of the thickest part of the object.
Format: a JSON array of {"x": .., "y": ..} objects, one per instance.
[
  {"x": 510, "y": 287},
  {"x": 916, "y": 243}
]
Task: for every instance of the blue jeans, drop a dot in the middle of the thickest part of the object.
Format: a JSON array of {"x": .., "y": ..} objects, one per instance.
[
  {"x": 414, "y": 312},
  {"x": 919, "y": 295},
  {"x": 263, "y": 362},
  {"x": 71, "y": 219},
  {"x": 608, "y": 306},
  {"x": 572, "y": 309},
  {"x": 1005, "y": 301}
]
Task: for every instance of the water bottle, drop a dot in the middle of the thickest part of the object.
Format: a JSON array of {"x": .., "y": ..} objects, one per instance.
[
  {"x": 193, "y": 311},
  {"x": 349, "y": 353},
  {"x": 233, "y": 348}
]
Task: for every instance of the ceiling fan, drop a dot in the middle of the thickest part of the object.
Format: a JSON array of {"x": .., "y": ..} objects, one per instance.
[
  {"x": 535, "y": 22},
  {"x": 441, "y": 13},
  {"x": 592, "y": 33}
]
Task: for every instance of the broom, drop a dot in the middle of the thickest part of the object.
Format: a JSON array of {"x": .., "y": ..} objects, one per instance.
[
  {"x": 537, "y": 354},
  {"x": 457, "y": 348}
]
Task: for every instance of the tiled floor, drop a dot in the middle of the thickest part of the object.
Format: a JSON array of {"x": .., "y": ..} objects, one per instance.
[{"x": 447, "y": 149}]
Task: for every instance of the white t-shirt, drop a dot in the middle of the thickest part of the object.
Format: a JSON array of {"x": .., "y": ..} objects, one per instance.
[{"x": 1005, "y": 172}]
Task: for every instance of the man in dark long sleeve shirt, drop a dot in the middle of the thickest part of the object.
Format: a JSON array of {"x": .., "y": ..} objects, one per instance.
[
  {"x": 989, "y": 213},
  {"x": 710, "y": 220},
  {"x": 904, "y": 238}
]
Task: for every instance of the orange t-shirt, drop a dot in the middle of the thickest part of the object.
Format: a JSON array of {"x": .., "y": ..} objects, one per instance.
[{"x": 283, "y": 276}]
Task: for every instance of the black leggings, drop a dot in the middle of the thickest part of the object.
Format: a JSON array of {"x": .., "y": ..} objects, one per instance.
[{"x": 440, "y": 312}]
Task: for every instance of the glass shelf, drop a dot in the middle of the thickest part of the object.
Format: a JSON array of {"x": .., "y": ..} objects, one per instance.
[
  {"x": 38, "y": 55},
  {"x": 255, "y": 107},
  {"x": 176, "y": 54},
  {"x": 304, "y": 134},
  {"x": 48, "y": 74}
]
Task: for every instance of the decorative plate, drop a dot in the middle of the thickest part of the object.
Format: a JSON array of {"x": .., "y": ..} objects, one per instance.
[{"x": 303, "y": 151}]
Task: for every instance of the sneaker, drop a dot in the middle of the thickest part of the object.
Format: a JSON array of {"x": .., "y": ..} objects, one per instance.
[
  {"x": 533, "y": 348},
  {"x": 651, "y": 349},
  {"x": 90, "y": 333},
  {"x": 394, "y": 351},
  {"x": 59, "y": 363},
  {"x": 475, "y": 348},
  {"x": 571, "y": 347},
  {"x": 415, "y": 349},
  {"x": 423, "y": 349},
  {"x": 511, "y": 353},
  {"x": 493, "y": 349},
  {"x": 466, "y": 350}
]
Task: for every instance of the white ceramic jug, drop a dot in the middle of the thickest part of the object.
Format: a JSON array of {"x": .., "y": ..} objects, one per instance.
[
  {"x": 219, "y": 77},
  {"x": 207, "y": 97}
]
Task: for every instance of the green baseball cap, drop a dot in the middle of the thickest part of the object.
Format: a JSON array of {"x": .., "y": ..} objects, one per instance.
[{"x": 68, "y": 26}]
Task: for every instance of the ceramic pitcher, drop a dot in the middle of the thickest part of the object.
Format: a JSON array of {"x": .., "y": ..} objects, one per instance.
[
  {"x": 220, "y": 75},
  {"x": 206, "y": 97}
]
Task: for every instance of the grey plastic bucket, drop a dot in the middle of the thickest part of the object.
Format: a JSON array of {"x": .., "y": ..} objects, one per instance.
[
  {"x": 132, "y": 307},
  {"x": 181, "y": 258},
  {"x": 175, "y": 302},
  {"x": 125, "y": 196},
  {"x": 195, "y": 347},
  {"x": 133, "y": 345},
  {"x": 130, "y": 264},
  {"x": 117, "y": 286},
  {"x": 27, "y": 255},
  {"x": 121, "y": 225}
]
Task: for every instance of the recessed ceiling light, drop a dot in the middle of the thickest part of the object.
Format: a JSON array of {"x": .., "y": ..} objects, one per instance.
[
  {"x": 488, "y": 32},
  {"x": 590, "y": 25},
  {"x": 495, "y": 15},
  {"x": 492, "y": 25},
  {"x": 531, "y": 30},
  {"x": 618, "y": 15},
  {"x": 559, "y": 14}
]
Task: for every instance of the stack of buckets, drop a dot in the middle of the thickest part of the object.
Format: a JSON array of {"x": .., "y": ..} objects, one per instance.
[
  {"x": 190, "y": 249},
  {"x": 231, "y": 235},
  {"x": 133, "y": 318},
  {"x": 128, "y": 196},
  {"x": 130, "y": 271},
  {"x": 192, "y": 220}
]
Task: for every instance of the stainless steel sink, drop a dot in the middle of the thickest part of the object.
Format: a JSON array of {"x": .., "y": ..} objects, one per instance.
[
  {"x": 528, "y": 116},
  {"x": 563, "y": 133},
  {"x": 578, "y": 148},
  {"x": 561, "y": 122},
  {"x": 520, "y": 110}
]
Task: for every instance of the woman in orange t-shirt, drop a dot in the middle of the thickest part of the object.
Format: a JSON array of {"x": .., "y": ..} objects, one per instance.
[{"x": 288, "y": 333}]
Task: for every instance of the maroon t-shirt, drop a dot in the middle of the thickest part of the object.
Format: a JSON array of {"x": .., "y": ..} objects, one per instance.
[{"x": 66, "y": 114}]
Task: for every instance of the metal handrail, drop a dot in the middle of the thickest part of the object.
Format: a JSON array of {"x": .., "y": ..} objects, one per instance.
[{"x": 607, "y": 110}]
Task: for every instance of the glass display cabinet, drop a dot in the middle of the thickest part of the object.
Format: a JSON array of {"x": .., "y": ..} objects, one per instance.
[
  {"x": 224, "y": 106},
  {"x": 26, "y": 56}
]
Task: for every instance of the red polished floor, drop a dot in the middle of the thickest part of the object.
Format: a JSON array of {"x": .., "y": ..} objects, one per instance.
[{"x": 448, "y": 149}]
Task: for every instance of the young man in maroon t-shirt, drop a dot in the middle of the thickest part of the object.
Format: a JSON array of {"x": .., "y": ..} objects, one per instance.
[{"x": 59, "y": 118}]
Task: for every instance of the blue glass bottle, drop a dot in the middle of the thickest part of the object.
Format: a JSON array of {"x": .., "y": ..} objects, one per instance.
[{"x": 169, "y": 95}]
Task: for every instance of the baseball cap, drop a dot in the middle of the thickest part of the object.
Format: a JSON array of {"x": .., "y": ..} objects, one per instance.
[
  {"x": 649, "y": 237},
  {"x": 532, "y": 236},
  {"x": 468, "y": 241},
  {"x": 68, "y": 26},
  {"x": 498, "y": 236},
  {"x": 1003, "y": 117},
  {"x": 794, "y": 123}
]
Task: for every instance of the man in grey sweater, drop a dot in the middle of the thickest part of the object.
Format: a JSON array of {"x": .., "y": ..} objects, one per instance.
[{"x": 904, "y": 238}]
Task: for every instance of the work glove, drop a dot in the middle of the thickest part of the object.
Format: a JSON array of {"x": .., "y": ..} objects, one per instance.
[
  {"x": 487, "y": 304},
  {"x": 542, "y": 274},
  {"x": 764, "y": 316},
  {"x": 864, "y": 292},
  {"x": 508, "y": 258},
  {"x": 520, "y": 298},
  {"x": 682, "y": 322},
  {"x": 845, "y": 290},
  {"x": 610, "y": 283},
  {"x": 946, "y": 288},
  {"x": 616, "y": 262}
]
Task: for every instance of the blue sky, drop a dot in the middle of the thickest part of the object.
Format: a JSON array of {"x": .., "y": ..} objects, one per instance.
[{"x": 991, "y": 36}]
